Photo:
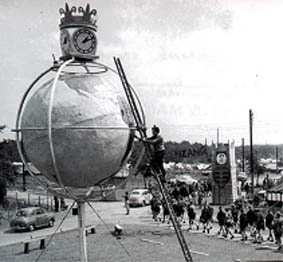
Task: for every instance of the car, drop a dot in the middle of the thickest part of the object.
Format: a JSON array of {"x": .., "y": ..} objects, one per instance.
[
  {"x": 139, "y": 197},
  {"x": 31, "y": 218}
]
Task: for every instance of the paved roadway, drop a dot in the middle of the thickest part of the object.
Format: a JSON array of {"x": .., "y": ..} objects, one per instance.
[
  {"x": 208, "y": 247},
  {"x": 112, "y": 213}
]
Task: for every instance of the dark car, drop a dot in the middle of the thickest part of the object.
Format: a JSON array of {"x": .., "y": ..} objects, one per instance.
[{"x": 31, "y": 218}]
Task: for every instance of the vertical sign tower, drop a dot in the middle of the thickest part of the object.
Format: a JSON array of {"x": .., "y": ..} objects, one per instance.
[{"x": 224, "y": 185}]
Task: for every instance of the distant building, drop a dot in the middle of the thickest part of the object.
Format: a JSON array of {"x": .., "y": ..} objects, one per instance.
[{"x": 275, "y": 194}]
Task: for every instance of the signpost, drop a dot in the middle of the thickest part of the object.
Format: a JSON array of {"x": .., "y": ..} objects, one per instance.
[
  {"x": 221, "y": 168},
  {"x": 222, "y": 172}
]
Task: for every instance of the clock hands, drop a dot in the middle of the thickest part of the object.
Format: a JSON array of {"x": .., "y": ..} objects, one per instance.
[
  {"x": 84, "y": 41},
  {"x": 87, "y": 39}
]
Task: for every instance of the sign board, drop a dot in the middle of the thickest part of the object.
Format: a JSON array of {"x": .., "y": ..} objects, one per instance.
[{"x": 221, "y": 171}]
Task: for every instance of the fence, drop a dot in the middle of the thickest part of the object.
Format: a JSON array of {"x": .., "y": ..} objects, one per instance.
[{"x": 16, "y": 199}]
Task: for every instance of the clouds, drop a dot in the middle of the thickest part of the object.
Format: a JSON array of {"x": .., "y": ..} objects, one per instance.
[{"x": 171, "y": 17}]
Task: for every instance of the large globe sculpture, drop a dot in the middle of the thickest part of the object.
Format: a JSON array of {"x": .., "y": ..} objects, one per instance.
[{"x": 90, "y": 129}]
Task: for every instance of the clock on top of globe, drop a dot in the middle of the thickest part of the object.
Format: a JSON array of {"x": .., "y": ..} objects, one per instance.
[{"x": 78, "y": 33}]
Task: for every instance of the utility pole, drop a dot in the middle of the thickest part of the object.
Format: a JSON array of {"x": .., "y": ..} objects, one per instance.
[
  {"x": 251, "y": 149},
  {"x": 276, "y": 157},
  {"x": 257, "y": 174},
  {"x": 24, "y": 177},
  {"x": 206, "y": 149},
  {"x": 243, "y": 155},
  {"x": 217, "y": 145}
]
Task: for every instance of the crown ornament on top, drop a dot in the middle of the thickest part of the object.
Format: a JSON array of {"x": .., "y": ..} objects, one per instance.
[{"x": 78, "y": 16}]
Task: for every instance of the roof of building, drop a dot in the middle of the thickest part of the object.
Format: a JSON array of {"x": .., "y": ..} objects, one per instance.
[{"x": 277, "y": 188}]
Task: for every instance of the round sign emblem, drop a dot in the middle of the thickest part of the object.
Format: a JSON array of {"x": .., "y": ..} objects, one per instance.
[{"x": 221, "y": 158}]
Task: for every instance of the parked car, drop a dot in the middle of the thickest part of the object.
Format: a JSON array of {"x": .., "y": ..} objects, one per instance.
[
  {"x": 140, "y": 197},
  {"x": 31, "y": 218}
]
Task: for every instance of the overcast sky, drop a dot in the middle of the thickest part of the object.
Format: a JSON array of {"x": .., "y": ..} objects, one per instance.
[{"x": 197, "y": 64}]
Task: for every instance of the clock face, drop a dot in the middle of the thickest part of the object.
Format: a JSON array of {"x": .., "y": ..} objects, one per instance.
[
  {"x": 65, "y": 41},
  {"x": 221, "y": 158},
  {"x": 84, "y": 41}
]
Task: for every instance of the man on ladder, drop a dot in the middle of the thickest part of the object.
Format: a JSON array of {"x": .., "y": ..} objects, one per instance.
[
  {"x": 156, "y": 159},
  {"x": 158, "y": 152}
]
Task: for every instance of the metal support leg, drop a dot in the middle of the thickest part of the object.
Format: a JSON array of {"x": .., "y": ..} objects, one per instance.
[
  {"x": 81, "y": 221},
  {"x": 42, "y": 244},
  {"x": 26, "y": 248}
]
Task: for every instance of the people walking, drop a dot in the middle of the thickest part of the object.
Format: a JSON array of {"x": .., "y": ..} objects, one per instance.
[
  {"x": 192, "y": 216},
  {"x": 243, "y": 223},
  {"x": 200, "y": 199},
  {"x": 181, "y": 209},
  {"x": 155, "y": 204},
  {"x": 204, "y": 218},
  {"x": 229, "y": 225},
  {"x": 178, "y": 207},
  {"x": 235, "y": 216},
  {"x": 210, "y": 217},
  {"x": 251, "y": 217},
  {"x": 278, "y": 229},
  {"x": 259, "y": 224},
  {"x": 184, "y": 191},
  {"x": 268, "y": 223},
  {"x": 126, "y": 203},
  {"x": 176, "y": 192},
  {"x": 221, "y": 218},
  {"x": 165, "y": 212}
]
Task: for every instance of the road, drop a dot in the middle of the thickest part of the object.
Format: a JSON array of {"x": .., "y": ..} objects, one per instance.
[
  {"x": 145, "y": 239},
  {"x": 111, "y": 212}
]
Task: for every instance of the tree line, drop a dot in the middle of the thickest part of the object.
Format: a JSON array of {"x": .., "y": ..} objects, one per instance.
[{"x": 175, "y": 151}]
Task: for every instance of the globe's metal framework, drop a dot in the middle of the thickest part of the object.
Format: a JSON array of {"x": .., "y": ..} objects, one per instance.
[{"x": 68, "y": 67}]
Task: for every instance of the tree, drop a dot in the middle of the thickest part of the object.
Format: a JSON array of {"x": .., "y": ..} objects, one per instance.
[
  {"x": 3, "y": 191},
  {"x": 2, "y": 127},
  {"x": 7, "y": 175}
]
